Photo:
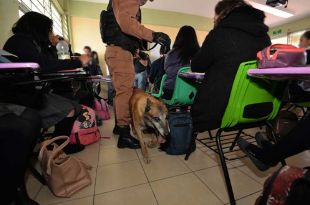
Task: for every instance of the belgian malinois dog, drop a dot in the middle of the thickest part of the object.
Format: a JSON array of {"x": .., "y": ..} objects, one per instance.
[{"x": 148, "y": 112}]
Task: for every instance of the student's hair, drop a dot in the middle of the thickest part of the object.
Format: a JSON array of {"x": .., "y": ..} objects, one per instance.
[
  {"x": 187, "y": 42},
  {"x": 143, "y": 55},
  {"x": 306, "y": 35},
  {"x": 225, "y": 7},
  {"x": 88, "y": 48},
  {"x": 96, "y": 59},
  {"x": 36, "y": 25},
  {"x": 164, "y": 50}
]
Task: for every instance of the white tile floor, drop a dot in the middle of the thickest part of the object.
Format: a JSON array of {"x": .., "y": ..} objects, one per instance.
[{"x": 120, "y": 177}]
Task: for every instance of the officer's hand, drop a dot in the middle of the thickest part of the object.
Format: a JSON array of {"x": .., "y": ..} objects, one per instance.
[{"x": 161, "y": 38}]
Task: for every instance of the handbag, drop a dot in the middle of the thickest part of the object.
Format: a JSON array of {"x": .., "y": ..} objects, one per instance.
[
  {"x": 64, "y": 174},
  {"x": 281, "y": 55}
]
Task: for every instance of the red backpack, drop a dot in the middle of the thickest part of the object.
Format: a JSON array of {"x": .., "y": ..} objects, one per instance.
[
  {"x": 287, "y": 186},
  {"x": 85, "y": 130},
  {"x": 281, "y": 55}
]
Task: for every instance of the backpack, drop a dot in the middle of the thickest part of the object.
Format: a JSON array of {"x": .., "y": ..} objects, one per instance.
[
  {"x": 181, "y": 131},
  {"x": 101, "y": 108},
  {"x": 281, "y": 55},
  {"x": 287, "y": 186},
  {"x": 85, "y": 130}
]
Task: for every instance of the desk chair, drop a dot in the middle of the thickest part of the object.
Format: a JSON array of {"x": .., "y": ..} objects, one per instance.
[
  {"x": 252, "y": 103},
  {"x": 183, "y": 94}
]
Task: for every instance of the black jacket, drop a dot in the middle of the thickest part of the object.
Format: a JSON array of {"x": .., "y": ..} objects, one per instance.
[
  {"x": 27, "y": 50},
  {"x": 236, "y": 39},
  {"x": 157, "y": 71}
]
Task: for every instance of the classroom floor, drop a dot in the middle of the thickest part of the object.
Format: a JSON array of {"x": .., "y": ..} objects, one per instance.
[{"x": 120, "y": 177}]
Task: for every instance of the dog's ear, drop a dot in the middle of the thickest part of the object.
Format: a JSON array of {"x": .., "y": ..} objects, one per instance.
[{"x": 148, "y": 105}]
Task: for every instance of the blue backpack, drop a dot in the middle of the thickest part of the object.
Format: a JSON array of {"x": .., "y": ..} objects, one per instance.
[{"x": 181, "y": 131}]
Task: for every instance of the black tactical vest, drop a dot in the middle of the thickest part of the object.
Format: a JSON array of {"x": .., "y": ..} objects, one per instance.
[{"x": 111, "y": 32}]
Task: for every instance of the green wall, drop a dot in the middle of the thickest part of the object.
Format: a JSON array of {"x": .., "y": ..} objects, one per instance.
[
  {"x": 150, "y": 16},
  {"x": 283, "y": 30},
  {"x": 8, "y": 16}
]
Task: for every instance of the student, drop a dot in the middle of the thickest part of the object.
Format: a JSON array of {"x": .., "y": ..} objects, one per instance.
[
  {"x": 20, "y": 129},
  {"x": 299, "y": 91},
  {"x": 141, "y": 65},
  {"x": 305, "y": 43},
  {"x": 238, "y": 34},
  {"x": 184, "y": 48},
  {"x": 157, "y": 68},
  {"x": 30, "y": 42},
  {"x": 267, "y": 155}
]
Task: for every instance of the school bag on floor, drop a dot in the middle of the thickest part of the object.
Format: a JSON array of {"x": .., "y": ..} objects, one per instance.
[
  {"x": 287, "y": 186},
  {"x": 181, "y": 130},
  {"x": 85, "y": 130},
  {"x": 101, "y": 108}
]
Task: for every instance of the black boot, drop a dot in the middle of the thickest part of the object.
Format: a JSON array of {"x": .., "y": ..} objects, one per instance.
[
  {"x": 125, "y": 140},
  {"x": 116, "y": 130},
  {"x": 22, "y": 197}
]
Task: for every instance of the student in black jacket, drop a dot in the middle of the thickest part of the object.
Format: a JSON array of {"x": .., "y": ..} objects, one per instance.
[
  {"x": 31, "y": 43},
  {"x": 239, "y": 33},
  {"x": 157, "y": 68}
]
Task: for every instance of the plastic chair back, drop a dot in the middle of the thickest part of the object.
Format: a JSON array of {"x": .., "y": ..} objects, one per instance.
[
  {"x": 252, "y": 100},
  {"x": 184, "y": 93}
]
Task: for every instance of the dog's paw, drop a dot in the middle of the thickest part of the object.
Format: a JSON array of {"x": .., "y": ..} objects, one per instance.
[
  {"x": 151, "y": 144},
  {"x": 147, "y": 160}
]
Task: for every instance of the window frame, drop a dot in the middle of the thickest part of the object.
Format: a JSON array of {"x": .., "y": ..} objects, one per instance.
[{"x": 60, "y": 20}]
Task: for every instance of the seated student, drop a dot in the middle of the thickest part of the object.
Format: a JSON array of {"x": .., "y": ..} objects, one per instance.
[
  {"x": 20, "y": 128},
  {"x": 157, "y": 68},
  {"x": 238, "y": 34},
  {"x": 30, "y": 43},
  {"x": 305, "y": 43},
  {"x": 267, "y": 154},
  {"x": 299, "y": 91},
  {"x": 184, "y": 48},
  {"x": 141, "y": 64}
]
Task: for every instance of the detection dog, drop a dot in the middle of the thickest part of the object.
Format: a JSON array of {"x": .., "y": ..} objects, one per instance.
[{"x": 148, "y": 112}]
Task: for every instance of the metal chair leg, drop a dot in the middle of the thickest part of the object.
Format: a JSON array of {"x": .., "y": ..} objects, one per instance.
[
  {"x": 235, "y": 140},
  {"x": 224, "y": 168},
  {"x": 210, "y": 134}
]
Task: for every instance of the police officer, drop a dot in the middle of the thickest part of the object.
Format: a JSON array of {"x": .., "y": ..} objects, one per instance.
[{"x": 122, "y": 31}]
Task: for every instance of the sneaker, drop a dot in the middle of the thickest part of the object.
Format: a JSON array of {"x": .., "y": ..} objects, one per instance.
[
  {"x": 252, "y": 152},
  {"x": 262, "y": 140}
]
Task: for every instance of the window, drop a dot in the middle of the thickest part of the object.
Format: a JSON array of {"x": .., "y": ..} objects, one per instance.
[
  {"x": 46, "y": 7},
  {"x": 281, "y": 40},
  {"x": 293, "y": 38}
]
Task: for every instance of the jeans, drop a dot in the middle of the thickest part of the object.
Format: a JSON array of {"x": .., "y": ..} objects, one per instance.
[{"x": 140, "y": 80}]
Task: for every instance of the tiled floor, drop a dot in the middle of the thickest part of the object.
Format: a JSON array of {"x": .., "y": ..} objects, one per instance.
[{"x": 120, "y": 177}]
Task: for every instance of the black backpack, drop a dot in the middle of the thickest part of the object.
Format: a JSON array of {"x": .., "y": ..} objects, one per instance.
[
  {"x": 287, "y": 186},
  {"x": 181, "y": 132}
]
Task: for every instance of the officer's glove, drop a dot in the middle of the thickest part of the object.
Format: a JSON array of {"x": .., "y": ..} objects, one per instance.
[{"x": 161, "y": 38}]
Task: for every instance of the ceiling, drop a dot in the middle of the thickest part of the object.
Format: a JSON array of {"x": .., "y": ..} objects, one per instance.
[{"x": 300, "y": 8}]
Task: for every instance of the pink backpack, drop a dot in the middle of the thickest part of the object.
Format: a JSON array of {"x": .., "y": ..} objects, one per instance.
[
  {"x": 102, "y": 109},
  {"x": 85, "y": 130}
]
